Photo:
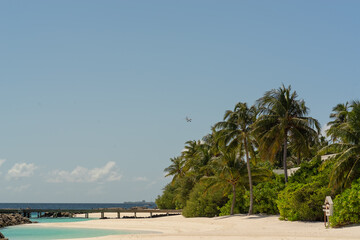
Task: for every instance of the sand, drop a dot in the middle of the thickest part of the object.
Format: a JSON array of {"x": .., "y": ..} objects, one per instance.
[{"x": 240, "y": 227}]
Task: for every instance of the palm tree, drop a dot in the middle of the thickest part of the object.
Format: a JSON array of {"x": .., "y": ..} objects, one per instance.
[
  {"x": 303, "y": 147},
  {"x": 236, "y": 129},
  {"x": 197, "y": 155},
  {"x": 283, "y": 119},
  {"x": 176, "y": 168},
  {"x": 339, "y": 116},
  {"x": 229, "y": 169},
  {"x": 340, "y": 113},
  {"x": 346, "y": 132}
]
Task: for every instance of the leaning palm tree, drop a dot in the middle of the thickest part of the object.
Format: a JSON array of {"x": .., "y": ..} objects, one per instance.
[
  {"x": 231, "y": 173},
  {"x": 176, "y": 168},
  {"x": 197, "y": 155},
  {"x": 339, "y": 115},
  {"x": 230, "y": 170},
  {"x": 236, "y": 131},
  {"x": 346, "y": 147},
  {"x": 283, "y": 119}
]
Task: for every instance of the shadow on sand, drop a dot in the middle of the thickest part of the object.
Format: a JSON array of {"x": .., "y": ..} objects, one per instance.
[{"x": 254, "y": 216}]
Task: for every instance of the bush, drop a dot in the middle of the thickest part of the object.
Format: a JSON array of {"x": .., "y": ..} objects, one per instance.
[
  {"x": 299, "y": 201},
  {"x": 166, "y": 200},
  {"x": 240, "y": 204},
  {"x": 184, "y": 187},
  {"x": 265, "y": 196},
  {"x": 303, "y": 197},
  {"x": 175, "y": 194},
  {"x": 306, "y": 171},
  {"x": 204, "y": 202},
  {"x": 347, "y": 206}
]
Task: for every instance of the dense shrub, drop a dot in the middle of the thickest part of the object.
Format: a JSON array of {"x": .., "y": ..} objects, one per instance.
[
  {"x": 266, "y": 195},
  {"x": 204, "y": 201},
  {"x": 306, "y": 171},
  {"x": 183, "y": 189},
  {"x": 175, "y": 194},
  {"x": 347, "y": 206},
  {"x": 166, "y": 200},
  {"x": 299, "y": 201},
  {"x": 240, "y": 205},
  {"x": 303, "y": 197}
]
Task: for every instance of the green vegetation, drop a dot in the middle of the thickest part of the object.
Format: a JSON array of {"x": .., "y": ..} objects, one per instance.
[
  {"x": 303, "y": 201},
  {"x": 347, "y": 206},
  {"x": 284, "y": 121},
  {"x": 204, "y": 202},
  {"x": 240, "y": 204},
  {"x": 229, "y": 171},
  {"x": 345, "y": 133},
  {"x": 236, "y": 133},
  {"x": 266, "y": 196}
]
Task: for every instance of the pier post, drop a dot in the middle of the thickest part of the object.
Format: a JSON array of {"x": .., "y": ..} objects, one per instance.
[{"x": 118, "y": 214}]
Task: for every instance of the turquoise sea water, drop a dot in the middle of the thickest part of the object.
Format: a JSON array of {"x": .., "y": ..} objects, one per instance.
[
  {"x": 57, "y": 220},
  {"x": 34, "y": 232}
]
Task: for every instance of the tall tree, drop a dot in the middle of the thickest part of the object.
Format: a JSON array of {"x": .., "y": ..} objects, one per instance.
[
  {"x": 339, "y": 116},
  {"x": 236, "y": 129},
  {"x": 229, "y": 169},
  {"x": 283, "y": 119},
  {"x": 303, "y": 147},
  {"x": 176, "y": 168},
  {"x": 346, "y": 132},
  {"x": 197, "y": 155}
]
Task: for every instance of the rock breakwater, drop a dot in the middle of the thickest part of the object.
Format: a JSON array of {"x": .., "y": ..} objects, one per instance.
[{"x": 12, "y": 219}]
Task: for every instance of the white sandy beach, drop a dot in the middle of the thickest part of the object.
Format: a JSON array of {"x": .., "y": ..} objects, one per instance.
[{"x": 226, "y": 228}]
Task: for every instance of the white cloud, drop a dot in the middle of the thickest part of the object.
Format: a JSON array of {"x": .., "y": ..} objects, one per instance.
[
  {"x": 21, "y": 170},
  {"x": 140, "y": 179},
  {"x": 82, "y": 174},
  {"x": 2, "y": 161},
  {"x": 18, "y": 188}
]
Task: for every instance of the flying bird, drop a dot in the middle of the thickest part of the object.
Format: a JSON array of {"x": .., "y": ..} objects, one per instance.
[{"x": 188, "y": 119}]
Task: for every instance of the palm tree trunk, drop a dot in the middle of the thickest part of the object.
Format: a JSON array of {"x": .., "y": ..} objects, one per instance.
[
  {"x": 299, "y": 158},
  {"x": 233, "y": 200},
  {"x": 250, "y": 178},
  {"x": 284, "y": 159}
]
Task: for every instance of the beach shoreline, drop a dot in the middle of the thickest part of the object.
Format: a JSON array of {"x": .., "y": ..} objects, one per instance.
[{"x": 226, "y": 228}]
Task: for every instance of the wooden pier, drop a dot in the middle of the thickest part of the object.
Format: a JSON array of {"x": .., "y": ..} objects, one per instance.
[{"x": 152, "y": 212}]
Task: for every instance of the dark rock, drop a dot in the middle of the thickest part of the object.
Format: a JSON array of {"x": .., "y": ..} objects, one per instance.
[
  {"x": 2, "y": 237},
  {"x": 138, "y": 208},
  {"x": 57, "y": 214},
  {"x": 12, "y": 219}
]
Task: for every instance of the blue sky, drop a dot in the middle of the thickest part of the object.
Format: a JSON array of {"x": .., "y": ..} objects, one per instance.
[{"x": 94, "y": 94}]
